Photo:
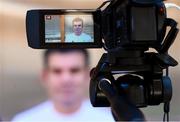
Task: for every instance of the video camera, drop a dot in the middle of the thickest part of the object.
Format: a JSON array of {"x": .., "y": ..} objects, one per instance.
[{"x": 126, "y": 29}]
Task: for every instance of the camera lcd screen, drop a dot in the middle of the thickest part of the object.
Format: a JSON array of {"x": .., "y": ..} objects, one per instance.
[{"x": 69, "y": 28}]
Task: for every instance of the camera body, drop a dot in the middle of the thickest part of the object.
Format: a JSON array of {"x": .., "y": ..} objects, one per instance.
[{"x": 133, "y": 24}]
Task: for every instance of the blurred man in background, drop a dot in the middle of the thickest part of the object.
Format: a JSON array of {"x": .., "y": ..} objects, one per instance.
[
  {"x": 78, "y": 35},
  {"x": 65, "y": 77}
]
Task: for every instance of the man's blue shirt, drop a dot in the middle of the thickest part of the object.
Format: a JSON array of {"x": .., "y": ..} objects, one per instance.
[{"x": 75, "y": 38}]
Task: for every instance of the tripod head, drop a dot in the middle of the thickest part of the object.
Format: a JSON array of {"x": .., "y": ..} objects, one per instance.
[
  {"x": 143, "y": 83},
  {"x": 148, "y": 65}
]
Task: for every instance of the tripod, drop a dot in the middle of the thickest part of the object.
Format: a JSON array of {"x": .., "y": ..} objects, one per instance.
[{"x": 142, "y": 83}]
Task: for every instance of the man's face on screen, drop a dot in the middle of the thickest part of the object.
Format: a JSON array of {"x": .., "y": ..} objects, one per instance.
[
  {"x": 77, "y": 27},
  {"x": 66, "y": 77}
]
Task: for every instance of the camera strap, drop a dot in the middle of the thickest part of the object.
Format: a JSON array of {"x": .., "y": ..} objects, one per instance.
[{"x": 167, "y": 102}]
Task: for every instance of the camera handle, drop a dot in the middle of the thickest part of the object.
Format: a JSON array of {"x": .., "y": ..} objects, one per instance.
[
  {"x": 171, "y": 36},
  {"x": 122, "y": 109},
  {"x": 163, "y": 57}
]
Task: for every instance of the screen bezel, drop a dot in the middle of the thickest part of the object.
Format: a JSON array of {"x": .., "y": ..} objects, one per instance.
[{"x": 97, "y": 29}]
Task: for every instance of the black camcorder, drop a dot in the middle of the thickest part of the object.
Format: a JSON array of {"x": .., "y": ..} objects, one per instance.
[
  {"x": 126, "y": 29},
  {"x": 126, "y": 24}
]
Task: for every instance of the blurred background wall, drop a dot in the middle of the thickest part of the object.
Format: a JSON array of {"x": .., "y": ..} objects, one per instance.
[{"x": 20, "y": 65}]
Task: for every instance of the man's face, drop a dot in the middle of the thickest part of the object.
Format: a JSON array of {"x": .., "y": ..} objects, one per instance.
[
  {"x": 77, "y": 27},
  {"x": 66, "y": 77}
]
